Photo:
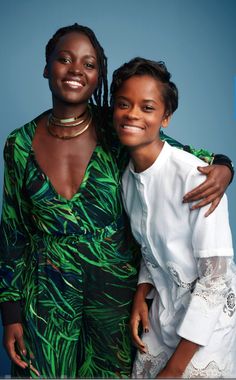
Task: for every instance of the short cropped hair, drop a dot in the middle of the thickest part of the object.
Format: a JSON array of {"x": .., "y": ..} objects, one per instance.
[{"x": 156, "y": 69}]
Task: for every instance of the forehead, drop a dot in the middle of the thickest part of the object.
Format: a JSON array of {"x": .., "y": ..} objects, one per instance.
[
  {"x": 141, "y": 85},
  {"x": 74, "y": 40}
]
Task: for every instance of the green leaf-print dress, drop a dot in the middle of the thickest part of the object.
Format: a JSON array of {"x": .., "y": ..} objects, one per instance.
[{"x": 72, "y": 264}]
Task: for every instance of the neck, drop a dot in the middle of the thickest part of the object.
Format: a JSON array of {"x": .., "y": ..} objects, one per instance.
[
  {"x": 63, "y": 111},
  {"x": 144, "y": 156},
  {"x": 69, "y": 127}
]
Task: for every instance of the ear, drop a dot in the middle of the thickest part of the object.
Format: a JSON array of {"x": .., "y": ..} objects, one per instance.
[
  {"x": 45, "y": 72},
  {"x": 165, "y": 121}
]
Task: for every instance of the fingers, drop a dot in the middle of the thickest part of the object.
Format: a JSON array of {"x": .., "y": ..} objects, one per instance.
[
  {"x": 196, "y": 195},
  {"x": 32, "y": 368},
  {"x": 10, "y": 347},
  {"x": 18, "y": 361},
  {"x": 205, "y": 169},
  {"x": 206, "y": 189},
  {"x": 140, "y": 345},
  {"x": 213, "y": 206},
  {"x": 13, "y": 337},
  {"x": 210, "y": 190},
  {"x": 145, "y": 320},
  {"x": 134, "y": 326},
  {"x": 206, "y": 200},
  {"x": 21, "y": 344},
  {"x": 211, "y": 199}
]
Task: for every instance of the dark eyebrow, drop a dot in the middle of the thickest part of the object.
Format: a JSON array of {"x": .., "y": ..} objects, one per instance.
[
  {"x": 71, "y": 52},
  {"x": 143, "y": 100},
  {"x": 149, "y": 100},
  {"x": 121, "y": 97}
]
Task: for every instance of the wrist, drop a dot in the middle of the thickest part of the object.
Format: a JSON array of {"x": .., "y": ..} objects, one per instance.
[
  {"x": 182, "y": 356},
  {"x": 221, "y": 159},
  {"x": 11, "y": 312},
  {"x": 174, "y": 370},
  {"x": 143, "y": 290},
  {"x": 176, "y": 367}
]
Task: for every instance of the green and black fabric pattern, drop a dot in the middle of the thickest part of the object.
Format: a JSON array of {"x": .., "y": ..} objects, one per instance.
[{"x": 72, "y": 264}]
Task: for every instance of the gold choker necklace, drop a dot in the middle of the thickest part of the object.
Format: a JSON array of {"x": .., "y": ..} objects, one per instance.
[
  {"x": 67, "y": 137},
  {"x": 69, "y": 122}
]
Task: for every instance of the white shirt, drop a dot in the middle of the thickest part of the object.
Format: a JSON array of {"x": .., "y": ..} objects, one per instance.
[{"x": 186, "y": 256}]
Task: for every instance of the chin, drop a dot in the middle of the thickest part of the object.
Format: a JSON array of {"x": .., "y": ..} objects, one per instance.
[
  {"x": 129, "y": 144},
  {"x": 128, "y": 141}
]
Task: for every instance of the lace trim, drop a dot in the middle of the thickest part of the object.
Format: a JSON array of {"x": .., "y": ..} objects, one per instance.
[
  {"x": 210, "y": 371},
  {"x": 176, "y": 275},
  {"x": 148, "y": 366},
  {"x": 212, "y": 284},
  {"x": 212, "y": 298},
  {"x": 230, "y": 305}
]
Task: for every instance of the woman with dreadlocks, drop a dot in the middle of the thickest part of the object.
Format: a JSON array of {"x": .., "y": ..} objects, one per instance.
[{"x": 68, "y": 262}]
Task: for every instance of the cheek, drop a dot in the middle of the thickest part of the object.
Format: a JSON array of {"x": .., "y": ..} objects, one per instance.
[
  {"x": 55, "y": 74},
  {"x": 55, "y": 68},
  {"x": 94, "y": 80},
  {"x": 116, "y": 116}
]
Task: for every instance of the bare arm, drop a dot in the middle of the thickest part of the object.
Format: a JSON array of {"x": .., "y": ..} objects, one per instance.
[
  {"x": 139, "y": 315},
  {"x": 176, "y": 365}
]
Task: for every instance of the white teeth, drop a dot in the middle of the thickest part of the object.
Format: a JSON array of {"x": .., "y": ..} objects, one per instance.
[
  {"x": 132, "y": 128},
  {"x": 74, "y": 83}
]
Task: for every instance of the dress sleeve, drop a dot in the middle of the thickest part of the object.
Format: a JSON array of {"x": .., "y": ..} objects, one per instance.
[
  {"x": 13, "y": 235},
  {"x": 213, "y": 253}
]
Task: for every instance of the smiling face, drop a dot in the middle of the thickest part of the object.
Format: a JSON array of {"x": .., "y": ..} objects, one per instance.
[
  {"x": 139, "y": 111},
  {"x": 72, "y": 69}
]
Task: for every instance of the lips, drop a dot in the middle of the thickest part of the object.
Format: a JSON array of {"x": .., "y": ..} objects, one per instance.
[
  {"x": 74, "y": 83},
  {"x": 132, "y": 128}
]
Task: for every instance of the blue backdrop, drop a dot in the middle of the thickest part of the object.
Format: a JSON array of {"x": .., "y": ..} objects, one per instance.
[{"x": 196, "y": 39}]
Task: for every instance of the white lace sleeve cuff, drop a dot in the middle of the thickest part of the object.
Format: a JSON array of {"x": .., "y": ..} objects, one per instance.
[{"x": 207, "y": 300}]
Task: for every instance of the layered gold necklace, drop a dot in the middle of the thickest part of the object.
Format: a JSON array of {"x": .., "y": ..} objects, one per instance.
[{"x": 72, "y": 122}]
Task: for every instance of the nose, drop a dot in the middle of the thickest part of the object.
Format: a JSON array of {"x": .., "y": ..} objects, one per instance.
[
  {"x": 132, "y": 113},
  {"x": 76, "y": 69}
]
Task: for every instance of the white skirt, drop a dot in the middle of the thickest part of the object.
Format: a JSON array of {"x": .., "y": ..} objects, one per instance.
[{"x": 216, "y": 360}]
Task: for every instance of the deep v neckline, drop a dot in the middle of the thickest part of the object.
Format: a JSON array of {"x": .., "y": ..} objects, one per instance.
[
  {"x": 47, "y": 178},
  {"x": 52, "y": 187}
]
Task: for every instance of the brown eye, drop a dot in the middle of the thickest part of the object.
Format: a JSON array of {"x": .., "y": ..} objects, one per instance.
[
  {"x": 90, "y": 65},
  {"x": 64, "y": 60},
  {"x": 148, "y": 108},
  {"x": 122, "y": 105}
]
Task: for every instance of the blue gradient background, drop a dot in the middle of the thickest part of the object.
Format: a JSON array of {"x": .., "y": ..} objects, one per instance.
[{"x": 196, "y": 39}]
